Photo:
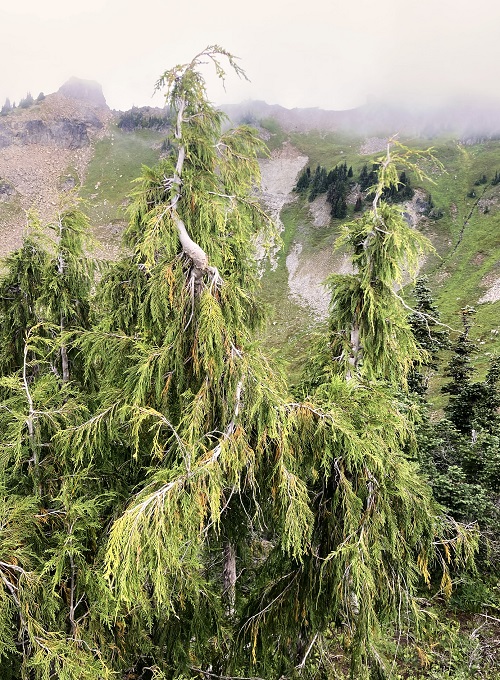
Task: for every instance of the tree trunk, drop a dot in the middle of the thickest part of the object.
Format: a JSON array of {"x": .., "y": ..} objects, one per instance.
[
  {"x": 64, "y": 356},
  {"x": 229, "y": 577}
]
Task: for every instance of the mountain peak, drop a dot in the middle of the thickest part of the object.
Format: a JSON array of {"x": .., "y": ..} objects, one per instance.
[{"x": 87, "y": 90}]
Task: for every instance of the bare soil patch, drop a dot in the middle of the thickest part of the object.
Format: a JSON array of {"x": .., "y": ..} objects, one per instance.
[
  {"x": 36, "y": 170},
  {"x": 492, "y": 283}
]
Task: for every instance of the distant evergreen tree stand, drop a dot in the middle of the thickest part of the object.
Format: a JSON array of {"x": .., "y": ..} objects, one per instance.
[
  {"x": 27, "y": 101},
  {"x": 363, "y": 178},
  {"x": 358, "y": 206},
  {"x": 319, "y": 183},
  {"x": 6, "y": 108},
  {"x": 430, "y": 336},
  {"x": 339, "y": 207},
  {"x": 461, "y": 453},
  {"x": 472, "y": 405},
  {"x": 337, "y": 181}
]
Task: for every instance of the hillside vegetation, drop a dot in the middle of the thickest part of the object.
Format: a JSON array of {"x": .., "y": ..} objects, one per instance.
[
  {"x": 178, "y": 504},
  {"x": 465, "y": 269}
]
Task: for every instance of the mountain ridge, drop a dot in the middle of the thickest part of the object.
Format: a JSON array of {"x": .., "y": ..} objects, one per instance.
[
  {"x": 39, "y": 166},
  {"x": 469, "y": 120},
  {"x": 44, "y": 151}
]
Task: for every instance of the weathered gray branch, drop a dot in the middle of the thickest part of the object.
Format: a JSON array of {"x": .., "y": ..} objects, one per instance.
[
  {"x": 195, "y": 252},
  {"x": 31, "y": 410}
]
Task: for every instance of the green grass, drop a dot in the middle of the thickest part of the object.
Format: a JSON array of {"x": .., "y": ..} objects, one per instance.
[
  {"x": 330, "y": 149},
  {"x": 116, "y": 162},
  {"x": 288, "y": 331},
  {"x": 469, "y": 240},
  {"x": 278, "y": 136}
]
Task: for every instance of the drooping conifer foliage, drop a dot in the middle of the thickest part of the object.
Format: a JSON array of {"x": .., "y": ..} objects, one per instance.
[
  {"x": 364, "y": 559},
  {"x": 185, "y": 391},
  {"x": 51, "y": 503},
  {"x": 168, "y": 509}
]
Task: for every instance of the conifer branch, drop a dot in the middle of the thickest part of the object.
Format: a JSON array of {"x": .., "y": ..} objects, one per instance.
[
  {"x": 209, "y": 674},
  {"x": 301, "y": 665},
  {"x": 423, "y": 315}
]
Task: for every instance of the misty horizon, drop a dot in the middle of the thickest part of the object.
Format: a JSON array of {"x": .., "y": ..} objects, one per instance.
[
  {"x": 464, "y": 114},
  {"x": 334, "y": 55}
]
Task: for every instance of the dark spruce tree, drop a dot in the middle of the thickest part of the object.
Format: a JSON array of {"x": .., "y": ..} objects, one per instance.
[
  {"x": 304, "y": 180},
  {"x": 462, "y": 394},
  {"x": 319, "y": 183},
  {"x": 430, "y": 335},
  {"x": 363, "y": 178}
]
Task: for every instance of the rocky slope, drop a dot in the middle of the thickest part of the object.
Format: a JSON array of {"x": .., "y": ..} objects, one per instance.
[
  {"x": 44, "y": 151},
  {"x": 69, "y": 139}
]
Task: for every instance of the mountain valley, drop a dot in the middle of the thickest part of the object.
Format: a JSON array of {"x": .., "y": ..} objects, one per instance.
[{"x": 71, "y": 141}]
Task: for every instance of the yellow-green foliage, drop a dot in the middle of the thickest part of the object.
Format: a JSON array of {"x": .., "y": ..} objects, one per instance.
[{"x": 169, "y": 508}]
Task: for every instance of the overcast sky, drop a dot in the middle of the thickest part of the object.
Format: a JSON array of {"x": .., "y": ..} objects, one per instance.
[{"x": 332, "y": 54}]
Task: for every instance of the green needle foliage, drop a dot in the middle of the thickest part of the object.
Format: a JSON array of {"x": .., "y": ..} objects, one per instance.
[
  {"x": 52, "y": 507},
  {"x": 429, "y": 333},
  {"x": 20, "y": 288},
  {"x": 377, "y": 530},
  {"x": 184, "y": 391},
  {"x": 369, "y": 330},
  {"x": 170, "y": 511}
]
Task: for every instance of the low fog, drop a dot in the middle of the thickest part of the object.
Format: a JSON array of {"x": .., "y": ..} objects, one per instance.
[
  {"x": 467, "y": 119},
  {"x": 400, "y": 65}
]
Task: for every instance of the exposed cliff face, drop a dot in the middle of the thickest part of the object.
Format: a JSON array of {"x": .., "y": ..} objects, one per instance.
[
  {"x": 40, "y": 146},
  {"x": 65, "y": 134},
  {"x": 68, "y": 119}
]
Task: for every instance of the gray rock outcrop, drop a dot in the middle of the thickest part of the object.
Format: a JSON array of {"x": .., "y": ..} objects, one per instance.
[
  {"x": 85, "y": 90},
  {"x": 65, "y": 134}
]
